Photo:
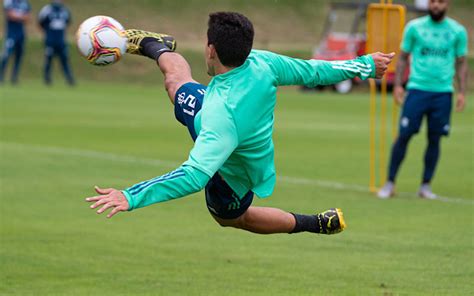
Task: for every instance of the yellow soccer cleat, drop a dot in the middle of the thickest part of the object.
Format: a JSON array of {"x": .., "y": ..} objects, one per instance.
[
  {"x": 138, "y": 38},
  {"x": 331, "y": 221}
]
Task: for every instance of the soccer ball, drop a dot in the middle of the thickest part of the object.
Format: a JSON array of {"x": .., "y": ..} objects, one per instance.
[{"x": 101, "y": 40}]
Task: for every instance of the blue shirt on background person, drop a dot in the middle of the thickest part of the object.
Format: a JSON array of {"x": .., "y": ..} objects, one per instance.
[
  {"x": 54, "y": 19},
  {"x": 17, "y": 13}
]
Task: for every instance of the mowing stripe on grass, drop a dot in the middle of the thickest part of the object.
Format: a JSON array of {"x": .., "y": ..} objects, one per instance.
[{"x": 172, "y": 164}]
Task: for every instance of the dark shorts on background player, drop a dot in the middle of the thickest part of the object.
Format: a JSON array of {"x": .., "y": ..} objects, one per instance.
[
  {"x": 435, "y": 105},
  {"x": 221, "y": 200}
]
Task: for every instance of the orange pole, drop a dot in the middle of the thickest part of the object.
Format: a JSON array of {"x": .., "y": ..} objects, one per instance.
[{"x": 372, "y": 122}]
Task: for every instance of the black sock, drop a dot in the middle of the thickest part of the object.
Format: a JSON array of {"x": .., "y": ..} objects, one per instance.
[
  {"x": 153, "y": 49},
  {"x": 308, "y": 223}
]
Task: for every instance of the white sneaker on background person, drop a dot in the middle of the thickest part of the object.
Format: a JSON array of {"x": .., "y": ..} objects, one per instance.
[
  {"x": 387, "y": 191},
  {"x": 425, "y": 192}
]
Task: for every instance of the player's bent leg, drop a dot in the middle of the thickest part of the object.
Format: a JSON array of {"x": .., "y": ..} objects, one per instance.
[
  {"x": 261, "y": 220},
  {"x": 264, "y": 220},
  {"x": 231, "y": 211}
]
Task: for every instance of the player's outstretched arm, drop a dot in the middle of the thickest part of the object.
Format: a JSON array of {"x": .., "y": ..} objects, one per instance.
[
  {"x": 290, "y": 71},
  {"x": 109, "y": 198},
  {"x": 178, "y": 183},
  {"x": 215, "y": 143}
]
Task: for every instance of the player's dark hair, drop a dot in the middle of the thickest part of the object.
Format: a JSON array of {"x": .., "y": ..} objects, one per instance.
[{"x": 231, "y": 33}]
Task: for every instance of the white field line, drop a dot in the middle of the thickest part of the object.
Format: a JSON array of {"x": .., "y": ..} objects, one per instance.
[{"x": 172, "y": 164}]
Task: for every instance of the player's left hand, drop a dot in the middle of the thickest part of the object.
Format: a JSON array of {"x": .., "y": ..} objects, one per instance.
[
  {"x": 109, "y": 198},
  {"x": 460, "y": 102}
]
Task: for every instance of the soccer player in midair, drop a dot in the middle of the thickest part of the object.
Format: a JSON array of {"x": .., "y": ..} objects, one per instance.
[
  {"x": 17, "y": 13},
  {"x": 438, "y": 47},
  {"x": 231, "y": 122},
  {"x": 54, "y": 19}
]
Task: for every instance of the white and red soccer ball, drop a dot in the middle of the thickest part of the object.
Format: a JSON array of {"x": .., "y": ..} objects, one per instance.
[{"x": 101, "y": 40}]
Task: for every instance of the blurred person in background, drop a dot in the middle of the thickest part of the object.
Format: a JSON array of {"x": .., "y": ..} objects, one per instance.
[
  {"x": 54, "y": 20},
  {"x": 17, "y": 13},
  {"x": 437, "y": 45}
]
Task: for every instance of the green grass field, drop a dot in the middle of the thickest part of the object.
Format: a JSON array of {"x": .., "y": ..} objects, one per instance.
[{"x": 57, "y": 143}]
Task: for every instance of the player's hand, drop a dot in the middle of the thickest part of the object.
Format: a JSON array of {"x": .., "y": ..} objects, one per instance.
[
  {"x": 460, "y": 102},
  {"x": 381, "y": 60},
  {"x": 109, "y": 198},
  {"x": 398, "y": 94}
]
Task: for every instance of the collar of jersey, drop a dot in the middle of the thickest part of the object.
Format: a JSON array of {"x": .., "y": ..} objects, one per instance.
[{"x": 233, "y": 71}]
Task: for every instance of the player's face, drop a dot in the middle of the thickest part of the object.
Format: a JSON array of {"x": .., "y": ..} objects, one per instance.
[{"x": 437, "y": 9}]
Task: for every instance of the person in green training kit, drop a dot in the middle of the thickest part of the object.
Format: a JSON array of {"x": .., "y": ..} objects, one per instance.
[
  {"x": 438, "y": 46},
  {"x": 231, "y": 122}
]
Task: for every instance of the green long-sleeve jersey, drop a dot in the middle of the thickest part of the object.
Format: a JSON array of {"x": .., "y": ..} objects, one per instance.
[{"x": 235, "y": 126}]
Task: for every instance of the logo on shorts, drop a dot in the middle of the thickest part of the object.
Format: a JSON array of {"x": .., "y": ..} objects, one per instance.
[
  {"x": 405, "y": 122},
  {"x": 235, "y": 204},
  {"x": 181, "y": 98},
  {"x": 446, "y": 128}
]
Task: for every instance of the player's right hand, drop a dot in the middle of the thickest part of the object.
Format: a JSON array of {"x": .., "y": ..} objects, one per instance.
[
  {"x": 398, "y": 94},
  {"x": 381, "y": 61},
  {"x": 109, "y": 198},
  {"x": 138, "y": 38}
]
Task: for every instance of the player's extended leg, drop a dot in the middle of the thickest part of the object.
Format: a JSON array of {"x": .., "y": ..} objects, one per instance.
[
  {"x": 176, "y": 72},
  {"x": 160, "y": 47}
]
